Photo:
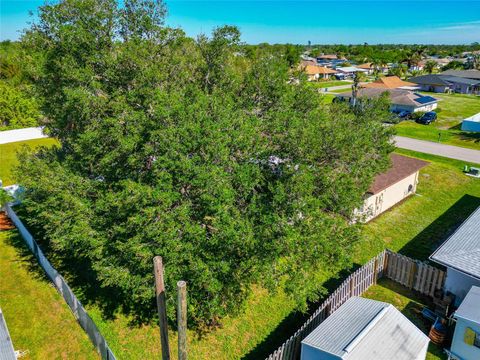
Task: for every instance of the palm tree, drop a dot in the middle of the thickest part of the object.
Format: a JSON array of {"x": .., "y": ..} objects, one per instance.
[
  {"x": 398, "y": 70},
  {"x": 430, "y": 65}
]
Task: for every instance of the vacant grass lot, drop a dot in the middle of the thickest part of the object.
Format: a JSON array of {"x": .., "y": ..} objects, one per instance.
[
  {"x": 37, "y": 317},
  {"x": 8, "y": 156},
  {"x": 452, "y": 109},
  {"x": 409, "y": 304},
  {"x": 444, "y": 198}
]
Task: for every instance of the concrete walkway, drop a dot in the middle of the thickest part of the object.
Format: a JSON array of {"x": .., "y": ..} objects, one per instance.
[{"x": 428, "y": 147}]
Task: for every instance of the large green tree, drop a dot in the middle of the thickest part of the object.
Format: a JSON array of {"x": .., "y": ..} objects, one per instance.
[{"x": 193, "y": 150}]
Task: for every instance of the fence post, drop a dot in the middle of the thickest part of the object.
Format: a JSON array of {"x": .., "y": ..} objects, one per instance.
[
  {"x": 375, "y": 271},
  {"x": 161, "y": 305},
  {"x": 385, "y": 263},
  {"x": 182, "y": 319}
]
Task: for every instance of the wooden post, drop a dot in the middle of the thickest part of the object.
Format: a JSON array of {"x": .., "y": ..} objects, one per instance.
[
  {"x": 182, "y": 319},
  {"x": 375, "y": 271},
  {"x": 161, "y": 305},
  {"x": 385, "y": 264}
]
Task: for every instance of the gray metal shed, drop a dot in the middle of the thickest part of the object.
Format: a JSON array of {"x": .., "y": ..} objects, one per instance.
[
  {"x": 6, "y": 347},
  {"x": 365, "y": 329}
]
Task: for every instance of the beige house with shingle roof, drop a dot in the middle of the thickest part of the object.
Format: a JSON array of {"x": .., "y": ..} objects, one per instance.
[{"x": 391, "y": 187}]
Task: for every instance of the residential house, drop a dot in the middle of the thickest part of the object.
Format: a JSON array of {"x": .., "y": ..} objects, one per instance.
[
  {"x": 363, "y": 329},
  {"x": 460, "y": 254},
  {"x": 466, "y": 338},
  {"x": 391, "y": 187},
  {"x": 468, "y": 74},
  {"x": 349, "y": 71},
  {"x": 367, "y": 66},
  {"x": 432, "y": 83},
  {"x": 391, "y": 82},
  {"x": 471, "y": 123},
  {"x": 315, "y": 72},
  {"x": 401, "y": 100}
]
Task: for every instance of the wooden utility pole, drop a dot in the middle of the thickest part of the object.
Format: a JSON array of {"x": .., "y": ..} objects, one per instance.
[
  {"x": 161, "y": 305},
  {"x": 182, "y": 319}
]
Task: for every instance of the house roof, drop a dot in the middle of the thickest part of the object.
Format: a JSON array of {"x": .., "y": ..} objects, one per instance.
[
  {"x": 6, "y": 347},
  {"x": 469, "y": 74},
  {"x": 460, "y": 80},
  {"x": 397, "y": 96},
  {"x": 328, "y": 57},
  {"x": 431, "y": 79},
  {"x": 461, "y": 251},
  {"x": 388, "y": 82},
  {"x": 315, "y": 69},
  {"x": 367, "y": 329},
  {"x": 469, "y": 309},
  {"x": 367, "y": 66},
  {"x": 350, "y": 69},
  {"x": 402, "y": 167}
]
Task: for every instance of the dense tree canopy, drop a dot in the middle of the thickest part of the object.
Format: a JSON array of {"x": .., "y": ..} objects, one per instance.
[{"x": 196, "y": 150}]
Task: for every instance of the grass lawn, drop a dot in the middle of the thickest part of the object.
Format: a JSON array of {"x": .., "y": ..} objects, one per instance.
[
  {"x": 326, "y": 84},
  {"x": 410, "y": 304},
  {"x": 445, "y": 197},
  {"x": 452, "y": 109},
  {"x": 8, "y": 156},
  {"x": 37, "y": 317}
]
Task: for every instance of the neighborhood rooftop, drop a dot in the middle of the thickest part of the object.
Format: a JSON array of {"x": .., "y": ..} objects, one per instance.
[
  {"x": 402, "y": 166},
  {"x": 6, "y": 347},
  {"x": 397, "y": 96},
  {"x": 461, "y": 251},
  {"x": 367, "y": 329},
  {"x": 469, "y": 74},
  {"x": 389, "y": 82},
  {"x": 470, "y": 307}
]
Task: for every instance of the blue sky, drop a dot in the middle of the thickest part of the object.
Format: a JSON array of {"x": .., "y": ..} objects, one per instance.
[{"x": 318, "y": 21}]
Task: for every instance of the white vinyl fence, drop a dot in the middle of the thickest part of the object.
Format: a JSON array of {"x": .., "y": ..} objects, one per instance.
[
  {"x": 78, "y": 310},
  {"x": 9, "y": 136}
]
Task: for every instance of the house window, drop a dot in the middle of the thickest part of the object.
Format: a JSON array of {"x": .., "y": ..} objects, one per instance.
[{"x": 476, "y": 341}]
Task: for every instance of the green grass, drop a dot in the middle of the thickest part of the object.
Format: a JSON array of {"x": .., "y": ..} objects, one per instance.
[
  {"x": 326, "y": 84},
  {"x": 445, "y": 196},
  {"x": 409, "y": 304},
  {"x": 415, "y": 227},
  {"x": 37, "y": 317},
  {"x": 452, "y": 109},
  {"x": 8, "y": 156}
]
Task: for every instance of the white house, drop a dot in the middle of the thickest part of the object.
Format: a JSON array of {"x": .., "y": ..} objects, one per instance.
[
  {"x": 391, "y": 187},
  {"x": 466, "y": 338},
  {"x": 460, "y": 254},
  {"x": 364, "y": 329}
]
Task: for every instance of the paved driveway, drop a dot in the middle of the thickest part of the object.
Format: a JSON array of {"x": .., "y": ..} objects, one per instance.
[{"x": 428, "y": 147}]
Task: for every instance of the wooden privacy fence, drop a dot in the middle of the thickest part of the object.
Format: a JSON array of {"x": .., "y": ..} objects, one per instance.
[
  {"x": 61, "y": 285},
  {"x": 408, "y": 272}
]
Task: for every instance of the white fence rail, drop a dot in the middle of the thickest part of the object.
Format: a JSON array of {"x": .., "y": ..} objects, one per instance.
[{"x": 78, "y": 310}]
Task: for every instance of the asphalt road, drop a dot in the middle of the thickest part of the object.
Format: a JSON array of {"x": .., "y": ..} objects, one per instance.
[{"x": 428, "y": 147}]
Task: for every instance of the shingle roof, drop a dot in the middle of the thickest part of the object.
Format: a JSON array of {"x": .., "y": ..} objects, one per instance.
[
  {"x": 469, "y": 74},
  {"x": 6, "y": 347},
  {"x": 460, "y": 80},
  {"x": 469, "y": 309},
  {"x": 402, "y": 167},
  {"x": 397, "y": 96},
  {"x": 432, "y": 79},
  {"x": 367, "y": 329},
  {"x": 388, "y": 82},
  {"x": 315, "y": 69},
  {"x": 461, "y": 250}
]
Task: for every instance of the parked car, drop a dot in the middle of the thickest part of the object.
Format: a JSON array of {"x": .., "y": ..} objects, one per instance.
[
  {"x": 404, "y": 115},
  {"x": 427, "y": 118}
]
